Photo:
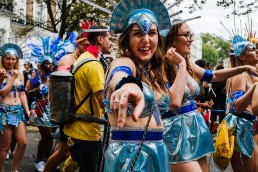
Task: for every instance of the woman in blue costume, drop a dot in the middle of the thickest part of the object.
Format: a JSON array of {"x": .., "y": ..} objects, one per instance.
[
  {"x": 135, "y": 92},
  {"x": 13, "y": 107},
  {"x": 241, "y": 118},
  {"x": 31, "y": 85},
  {"x": 186, "y": 134},
  {"x": 49, "y": 51}
]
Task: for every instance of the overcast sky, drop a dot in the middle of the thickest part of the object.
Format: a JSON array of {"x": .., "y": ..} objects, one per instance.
[{"x": 211, "y": 15}]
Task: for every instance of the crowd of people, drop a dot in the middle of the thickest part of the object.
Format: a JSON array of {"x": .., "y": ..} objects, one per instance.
[{"x": 152, "y": 97}]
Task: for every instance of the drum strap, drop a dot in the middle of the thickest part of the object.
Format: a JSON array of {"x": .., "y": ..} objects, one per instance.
[
  {"x": 85, "y": 98},
  {"x": 73, "y": 70}
]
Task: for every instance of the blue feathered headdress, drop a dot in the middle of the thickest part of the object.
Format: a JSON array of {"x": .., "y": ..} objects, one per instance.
[
  {"x": 50, "y": 48},
  {"x": 141, "y": 12},
  {"x": 239, "y": 44}
]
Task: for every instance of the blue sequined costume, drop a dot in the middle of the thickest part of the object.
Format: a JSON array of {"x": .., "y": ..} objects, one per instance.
[
  {"x": 243, "y": 125},
  {"x": 126, "y": 141},
  {"x": 186, "y": 134},
  {"x": 11, "y": 115},
  {"x": 45, "y": 120}
]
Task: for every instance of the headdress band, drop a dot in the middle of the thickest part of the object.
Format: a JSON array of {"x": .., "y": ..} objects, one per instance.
[
  {"x": 239, "y": 44},
  {"x": 11, "y": 49},
  {"x": 141, "y": 12},
  {"x": 80, "y": 40}
]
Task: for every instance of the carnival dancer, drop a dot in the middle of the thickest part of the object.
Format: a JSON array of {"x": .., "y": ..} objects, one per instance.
[
  {"x": 65, "y": 63},
  {"x": 186, "y": 135},
  {"x": 49, "y": 51},
  {"x": 84, "y": 137},
  {"x": 135, "y": 90},
  {"x": 241, "y": 117},
  {"x": 13, "y": 104}
]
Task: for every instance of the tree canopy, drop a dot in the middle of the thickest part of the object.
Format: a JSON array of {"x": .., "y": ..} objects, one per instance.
[
  {"x": 214, "y": 48},
  {"x": 68, "y": 13}
]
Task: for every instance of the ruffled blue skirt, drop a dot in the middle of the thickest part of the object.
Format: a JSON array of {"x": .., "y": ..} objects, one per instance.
[
  {"x": 11, "y": 115},
  {"x": 43, "y": 121},
  {"x": 187, "y": 137},
  {"x": 125, "y": 143},
  {"x": 244, "y": 141}
]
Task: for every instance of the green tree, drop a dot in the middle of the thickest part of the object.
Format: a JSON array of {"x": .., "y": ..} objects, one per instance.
[
  {"x": 64, "y": 16},
  {"x": 210, "y": 53},
  {"x": 222, "y": 46}
]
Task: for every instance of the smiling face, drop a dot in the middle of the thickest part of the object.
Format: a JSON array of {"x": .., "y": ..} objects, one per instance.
[
  {"x": 9, "y": 62},
  {"x": 143, "y": 46},
  {"x": 183, "y": 40}
]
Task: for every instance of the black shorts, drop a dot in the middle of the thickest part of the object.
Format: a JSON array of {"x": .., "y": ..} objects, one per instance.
[{"x": 63, "y": 137}]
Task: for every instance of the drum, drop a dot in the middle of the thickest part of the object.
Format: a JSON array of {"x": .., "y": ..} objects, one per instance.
[{"x": 61, "y": 97}]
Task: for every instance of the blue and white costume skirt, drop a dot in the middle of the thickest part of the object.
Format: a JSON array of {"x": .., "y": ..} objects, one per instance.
[
  {"x": 242, "y": 124},
  {"x": 124, "y": 145},
  {"x": 11, "y": 115},
  {"x": 187, "y": 136},
  {"x": 43, "y": 118}
]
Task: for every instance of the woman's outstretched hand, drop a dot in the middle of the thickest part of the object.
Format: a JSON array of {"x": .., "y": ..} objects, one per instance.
[{"x": 119, "y": 100}]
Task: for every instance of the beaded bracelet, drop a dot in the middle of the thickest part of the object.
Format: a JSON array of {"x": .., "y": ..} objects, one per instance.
[{"x": 129, "y": 79}]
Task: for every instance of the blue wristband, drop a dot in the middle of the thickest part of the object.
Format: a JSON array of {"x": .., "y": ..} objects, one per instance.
[{"x": 207, "y": 76}]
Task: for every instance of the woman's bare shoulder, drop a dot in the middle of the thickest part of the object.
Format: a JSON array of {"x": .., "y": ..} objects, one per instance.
[{"x": 123, "y": 61}]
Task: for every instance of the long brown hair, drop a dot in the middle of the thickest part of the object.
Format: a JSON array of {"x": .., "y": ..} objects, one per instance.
[
  {"x": 155, "y": 67},
  {"x": 169, "y": 42},
  {"x": 235, "y": 62}
]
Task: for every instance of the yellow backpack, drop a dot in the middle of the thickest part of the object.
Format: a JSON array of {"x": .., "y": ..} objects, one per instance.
[{"x": 224, "y": 146}]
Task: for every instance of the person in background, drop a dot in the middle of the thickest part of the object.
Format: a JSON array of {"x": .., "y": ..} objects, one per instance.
[
  {"x": 203, "y": 101},
  {"x": 208, "y": 65},
  {"x": 26, "y": 73},
  {"x": 31, "y": 86},
  {"x": 66, "y": 61},
  {"x": 219, "y": 107}
]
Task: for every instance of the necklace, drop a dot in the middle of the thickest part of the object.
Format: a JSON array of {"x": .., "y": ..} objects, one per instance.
[{"x": 146, "y": 72}]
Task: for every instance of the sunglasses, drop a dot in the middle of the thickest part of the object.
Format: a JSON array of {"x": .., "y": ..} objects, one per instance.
[
  {"x": 251, "y": 49},
  {"x": 85, "y": 45}
]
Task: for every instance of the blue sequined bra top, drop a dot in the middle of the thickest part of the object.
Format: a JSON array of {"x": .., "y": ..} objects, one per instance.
[
  {"x": 192, "y": 90},
  {"x": 157, "y": 108},
  {"x": 14, "y": 88},
  {"x": 162, "y": 104}
]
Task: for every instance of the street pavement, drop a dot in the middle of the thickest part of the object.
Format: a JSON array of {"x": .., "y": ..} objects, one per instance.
[{"x": 33, "y": 138}]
